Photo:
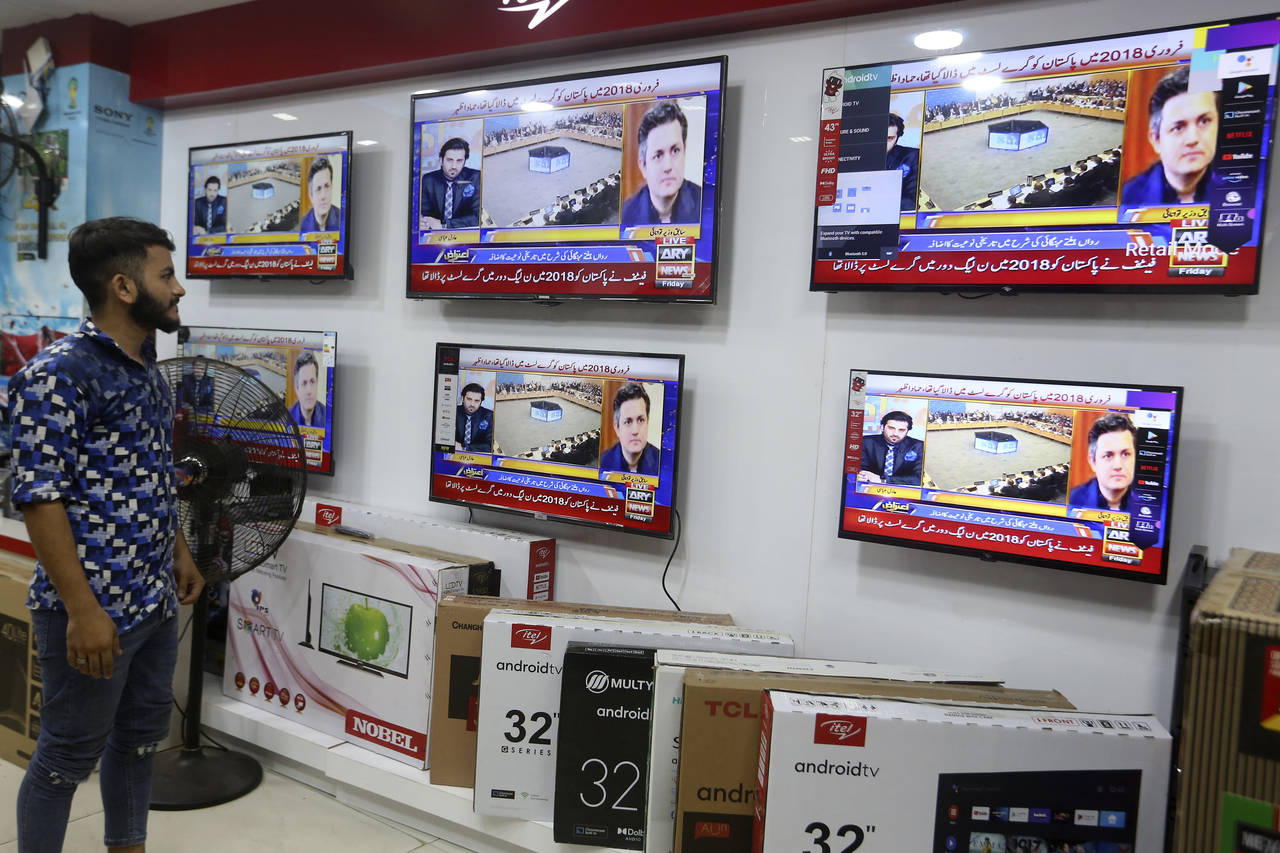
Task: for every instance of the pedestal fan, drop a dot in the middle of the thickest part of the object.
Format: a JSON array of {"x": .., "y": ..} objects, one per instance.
[{"x": 242, "y": 475}]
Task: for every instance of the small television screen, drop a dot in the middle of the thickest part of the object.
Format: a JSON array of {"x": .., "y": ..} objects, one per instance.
[
  {"x": 278, "y": 208},
  {"x": 299, "y": 366},
  {"x": 587, "y": 437},
  {"x": 365, "y": 630},
  {"x": 1133, "y": 163},
  {"x": 601, "y": 185},
  {"x": 1062, "y": 474}
]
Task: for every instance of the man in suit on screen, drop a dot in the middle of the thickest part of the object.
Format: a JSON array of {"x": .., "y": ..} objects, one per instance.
[
  {"x": 308, "y": 410},
  {"x": 473, "y": 431},
  {"x": 450, "y": 196},
  {"x": 893, "y": 456},
  {"x": 1183, "y": 130},
  {"x": 1112, "y": 454},
  {"x": 905, "y": 159},
  {"x": 633, "y": 452},
  {"x": 324, "y": 215},
  {"x": 667, "y": 196},
  {"x": 210, "y": 214}
]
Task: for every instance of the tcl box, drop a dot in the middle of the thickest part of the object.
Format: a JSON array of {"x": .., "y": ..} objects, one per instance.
[
  {"x": 527, "y": 562},
  {"x": 720, "y": 734},
  {"x": 21, "y": 694},
  {"x": 520, "y": 674},
  {"x": 872, "y": 775},
  {"x": 456, "y": 699},
  {"x": 338, "y": 635},
  {"x": 1229, "y": 754},
  {"x": 605, "y": 698}
]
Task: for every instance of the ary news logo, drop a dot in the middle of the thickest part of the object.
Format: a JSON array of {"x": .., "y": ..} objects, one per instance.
[
  {"x": 540, "y": 9},
  {"x": 1190, "y": 247},
  {"x": 840, "y": 730},
  {"x": 531, "y": 637}
]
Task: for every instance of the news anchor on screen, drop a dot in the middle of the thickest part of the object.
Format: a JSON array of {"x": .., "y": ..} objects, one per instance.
[
  {"x": 893, "y": 456},
  {"x": 210, "y": 214},
  {"x": 474, "y": 430},
  {"x": 450, "y": 196},
  {"x": 905, "y": 159},
  {"x": 308, "y": 411},
  {"x": 633, "y": 452},
  {"x": 324, "y": 215},
  {"x": 1183, "y": 130},
  {"x": 667, "y": 195}
]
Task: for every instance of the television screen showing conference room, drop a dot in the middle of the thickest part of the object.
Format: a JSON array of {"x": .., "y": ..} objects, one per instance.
[
  {"x": 1133, "y": 163},
  {"x": 582, "y": 436},
  {"x": 1069, "y": 475}
]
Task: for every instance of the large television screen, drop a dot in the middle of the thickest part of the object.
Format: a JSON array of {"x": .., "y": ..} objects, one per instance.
[
  {"x": 299, "y": 366},
  {"x": 278, "y": 208},
  {"x": 588, "y": 437},
  {"x": 1063, "y": 474},
  {"x": 601, "y": 185},
  {"x": 1134, "y": 163}
]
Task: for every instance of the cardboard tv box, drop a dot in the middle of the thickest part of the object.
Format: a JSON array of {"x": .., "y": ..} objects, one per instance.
[
  {"x": 456, "y": 699},
  {"x": 527, "y": 562},
  {"x": 883, "y": 775},
  {"x": 722, "y": 746},
  {"x": 21, "y": 693},
  {"x": 1229, "y": 754},
  {"x": 520, "y": 680},
  {"x": 339, "y": 635}
]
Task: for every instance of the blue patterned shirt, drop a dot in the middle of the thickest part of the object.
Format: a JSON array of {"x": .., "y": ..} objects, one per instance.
[{"x": 93, "y": 428}]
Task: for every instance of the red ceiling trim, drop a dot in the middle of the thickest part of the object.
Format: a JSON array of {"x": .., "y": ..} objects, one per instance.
[{"x": 77, "y": 39}]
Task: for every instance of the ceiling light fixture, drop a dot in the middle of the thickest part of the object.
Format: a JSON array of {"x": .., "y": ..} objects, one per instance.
[
  {"x": 284, "y": 116},
  {"x": 938, "y": 40}
]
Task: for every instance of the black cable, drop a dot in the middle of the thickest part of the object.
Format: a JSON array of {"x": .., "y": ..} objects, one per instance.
[
  {"x": 471, "y": 513},
  {"x": 181, "y": 711},
  {"x": 679, "y": 530}
]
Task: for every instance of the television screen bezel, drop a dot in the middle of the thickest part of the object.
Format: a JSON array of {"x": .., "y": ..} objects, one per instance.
[
  {"x": 673, "y": 299},
  {"x": 362, "y": 664},
  {"x": 599, "y": 525},
  {"x": 1198, "y": 288},
  {"x": 185, "y": 332},
  {"x": 348, "y": 272},
  {"x": 999, "y": 556}
]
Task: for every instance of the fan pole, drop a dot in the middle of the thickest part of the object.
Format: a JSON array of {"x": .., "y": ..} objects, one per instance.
[
  {"x": 44, "y": 193},
  {"x": 192, "y": 776}
]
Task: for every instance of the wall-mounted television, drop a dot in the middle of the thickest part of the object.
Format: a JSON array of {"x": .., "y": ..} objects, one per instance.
[
  {"x": 1132, "y": 163},
  {"x": 299, "y": 366},
  {"x": 580, "y": 436},
  {"x": 364, "y": 630},
  {"x": 591, "y": 186},
  {"x": 277, "y": 208},
  {"x": 1070, "y": 475}
]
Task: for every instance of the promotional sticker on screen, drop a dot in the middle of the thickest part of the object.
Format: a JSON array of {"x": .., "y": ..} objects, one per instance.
[
  {"x": 588, "y": 437},
  {"x": 271, "y": 209},
  {"x": 1134, "y": 163},
  {"x": 299, "y": 366},
  {"x": 1064, "y": 474},
  {"x": 601, "y": 185}
]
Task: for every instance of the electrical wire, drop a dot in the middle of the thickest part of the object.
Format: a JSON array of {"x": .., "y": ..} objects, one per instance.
[{"x": 679, "y": 530}]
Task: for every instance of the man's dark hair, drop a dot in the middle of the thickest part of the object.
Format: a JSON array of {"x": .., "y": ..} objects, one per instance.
[
  {"x": 1113, "y": 422},
  {"x": 454, "y": 144},
  {"x": 102, "y": 248},
  {"x": 213, "y": 179},
  {"x": 473, "y": 386},
  {"x": 319, "y": 165},
  {"x": 630, "y": 391},
  {"x": 664, "y": 112},
  {"x": 307, "y": 357},
  {"x": 895, "y": 120},
  {"x": 896, "y": 415},
  {"x": 1172, "y": 84}
]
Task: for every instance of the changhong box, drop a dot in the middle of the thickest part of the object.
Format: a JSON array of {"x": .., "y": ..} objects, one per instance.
[
  {"x": 910, "y": 776},
  {"x": 520, "y": 679}
]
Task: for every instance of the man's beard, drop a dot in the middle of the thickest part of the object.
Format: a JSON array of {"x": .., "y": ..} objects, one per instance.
[{"x": 151, "y": 313}]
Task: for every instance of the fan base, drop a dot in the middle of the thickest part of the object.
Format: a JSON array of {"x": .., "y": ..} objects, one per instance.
[{"x": 185, "y": 779}]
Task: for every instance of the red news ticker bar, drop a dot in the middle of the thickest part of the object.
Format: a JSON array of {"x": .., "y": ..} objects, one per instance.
[
  {"x": 552, "y": 279},
  {"x": 547, "y": 501}
]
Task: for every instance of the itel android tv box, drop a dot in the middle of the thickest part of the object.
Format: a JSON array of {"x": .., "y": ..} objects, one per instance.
[
  {"x": 871, "y": 775},
  {"x": 520, "y": 681},
  {"x": 1229, "y": 755},
  {"x": 456, "y": 699},
  {"x": 338, "y": 635}
]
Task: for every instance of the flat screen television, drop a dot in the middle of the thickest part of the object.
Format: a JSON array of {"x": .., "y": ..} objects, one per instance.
[
  {"x": 364, "y": 630},
  {"x": 1133, "y": 163},
  {"x": 299, "y": 366},
  {"x": 278, "y": 208},
  {"x": 574, "y": 435},
  {"x": 1070, "y": 475},
  {"x": 602, "y": 185}
]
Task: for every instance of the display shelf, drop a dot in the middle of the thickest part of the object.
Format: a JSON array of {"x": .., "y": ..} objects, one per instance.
[{"x": 367, "y": 781}]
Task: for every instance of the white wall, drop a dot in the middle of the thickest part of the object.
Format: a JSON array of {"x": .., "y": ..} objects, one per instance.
[{"x": 767, "y": 368}]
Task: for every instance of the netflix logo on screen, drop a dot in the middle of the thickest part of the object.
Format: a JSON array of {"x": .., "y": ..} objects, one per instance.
[
  {"x": 531, "y": 637},
  {"x": 840, "y": 730}
]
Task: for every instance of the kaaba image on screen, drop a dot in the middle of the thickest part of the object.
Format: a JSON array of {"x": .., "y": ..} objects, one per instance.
[
  {"x": 1015, "y": 135},
  {"x": 991, "y": 441},
  {"x": 545, "y": 410},
  {"x": 549, "y": 158}
]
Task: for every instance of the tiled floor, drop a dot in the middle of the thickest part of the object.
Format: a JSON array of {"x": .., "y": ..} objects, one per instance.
[{"x": 282, "y": 816}]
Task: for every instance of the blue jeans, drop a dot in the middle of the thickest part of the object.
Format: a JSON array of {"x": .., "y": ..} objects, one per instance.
[{"x": 121, "y": 720}]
